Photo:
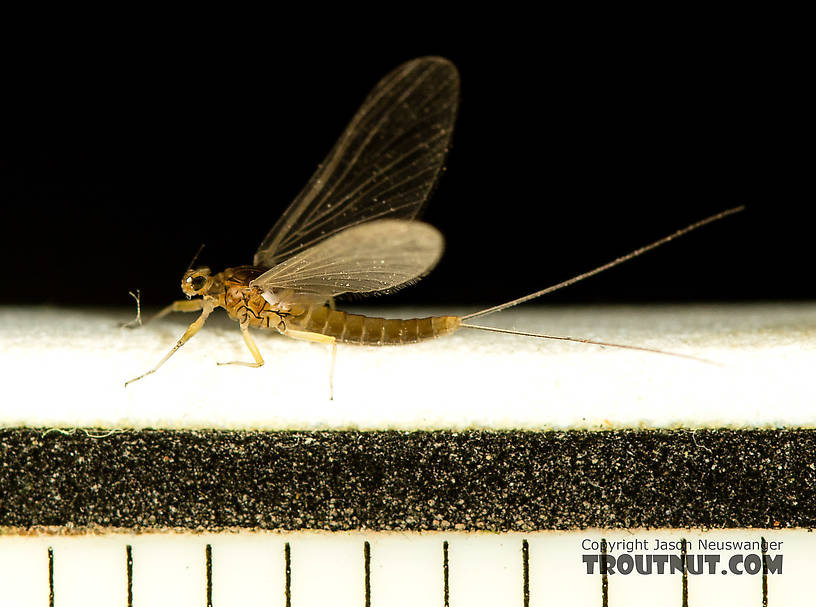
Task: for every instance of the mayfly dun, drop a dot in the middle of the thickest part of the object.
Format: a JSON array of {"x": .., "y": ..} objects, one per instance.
[{"x": 352, "y": 230}]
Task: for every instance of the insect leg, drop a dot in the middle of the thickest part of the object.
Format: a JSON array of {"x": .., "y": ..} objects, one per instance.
[
  {"x": 207, "y": 308},
  {"x": 256, "y": 354},
  {"x": 321, "y": 339},
  {"x": 182, "y": 305},
  {"x": 136, "y": 322}
]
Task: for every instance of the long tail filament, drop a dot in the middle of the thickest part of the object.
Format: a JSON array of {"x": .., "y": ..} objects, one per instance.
[
  {"x": 589, "y": 341},
  {"x": 606, "y": 266},
  {"x": 597, "y": 270}
]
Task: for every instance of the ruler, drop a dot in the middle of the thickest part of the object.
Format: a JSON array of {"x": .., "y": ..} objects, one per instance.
[{"x": 409, "y": 569}]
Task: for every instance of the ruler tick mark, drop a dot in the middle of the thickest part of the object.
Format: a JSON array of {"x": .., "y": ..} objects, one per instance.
[
  {"x": 525, "y": 564},
  {"x": 50, "y": 577},
  {"x": 764, "y": 547},
  {"x": 367, "y": 566},
  {"x": 208, "y": 553},
  {"x": 287, "y": 558},
  {"x": 445, "y": 575},
  {"x": 129, "y": 561},
  {"x": 684, "y": 556},
  {"x": 604, "y": 578}
]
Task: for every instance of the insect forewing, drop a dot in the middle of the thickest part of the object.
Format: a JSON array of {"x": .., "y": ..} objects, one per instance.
[
  {"x": 383, "y": 166},
  {"x": 376, "y": 256}
]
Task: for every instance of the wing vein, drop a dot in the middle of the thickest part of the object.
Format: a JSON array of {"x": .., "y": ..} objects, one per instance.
[{"x": 383, "y": 166}]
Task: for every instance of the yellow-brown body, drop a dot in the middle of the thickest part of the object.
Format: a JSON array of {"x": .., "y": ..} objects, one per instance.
[{"x": 248, "y": 306}]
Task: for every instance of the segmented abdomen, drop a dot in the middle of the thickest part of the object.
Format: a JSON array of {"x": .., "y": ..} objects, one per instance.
[{"x": 371, "y": 331}]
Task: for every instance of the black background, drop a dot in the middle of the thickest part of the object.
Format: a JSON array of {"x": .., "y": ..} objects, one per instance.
[{"x": 121, "y": 155}]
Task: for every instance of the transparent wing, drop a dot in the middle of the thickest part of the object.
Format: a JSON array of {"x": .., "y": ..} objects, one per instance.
[
  {"x": 377, "y": 256},
  {"x": 383, "y": 166}
]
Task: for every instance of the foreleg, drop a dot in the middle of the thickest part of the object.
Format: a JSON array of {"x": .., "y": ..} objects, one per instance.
[
  {"x": 191, "y": 330},
  {"x": 182, "y": 305}
]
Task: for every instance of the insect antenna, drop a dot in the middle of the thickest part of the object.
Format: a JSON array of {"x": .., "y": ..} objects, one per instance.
[
  {"x": 606, "y": 266},
  {"x": 589, "y": 341},
  {"x": 193, "y": 260}
]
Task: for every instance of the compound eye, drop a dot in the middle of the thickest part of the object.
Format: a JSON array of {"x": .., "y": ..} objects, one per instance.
[{"x": 198, "y": 282}]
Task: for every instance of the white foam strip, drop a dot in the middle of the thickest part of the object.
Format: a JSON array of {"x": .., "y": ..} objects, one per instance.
[{"x": 62, "y": 367}]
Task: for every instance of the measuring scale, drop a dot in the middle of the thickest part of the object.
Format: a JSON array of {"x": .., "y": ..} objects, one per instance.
[
  {"x": 478, "y": 503},
  {"x": 395, "y": 569}
]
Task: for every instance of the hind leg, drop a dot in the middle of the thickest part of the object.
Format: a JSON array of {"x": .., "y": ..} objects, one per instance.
[{"x": 320, "y": 339}]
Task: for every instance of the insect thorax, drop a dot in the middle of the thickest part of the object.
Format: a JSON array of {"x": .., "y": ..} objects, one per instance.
[{"x": 244, "y": 303}]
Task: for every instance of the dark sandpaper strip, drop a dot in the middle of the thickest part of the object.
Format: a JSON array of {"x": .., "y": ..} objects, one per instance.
[{"x": 472, "y": 480}]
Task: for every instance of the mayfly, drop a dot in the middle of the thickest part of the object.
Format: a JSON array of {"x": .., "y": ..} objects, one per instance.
[{"x": 352, "y": 230}]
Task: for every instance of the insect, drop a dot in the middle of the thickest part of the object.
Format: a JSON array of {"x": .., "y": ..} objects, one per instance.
[{"x": 352, "y": 230}]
